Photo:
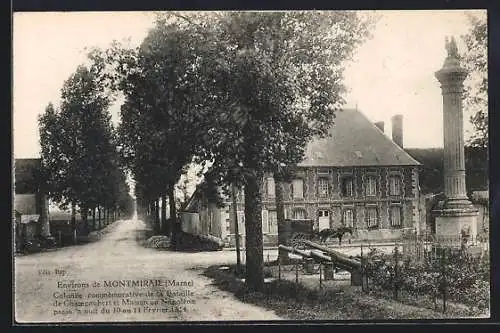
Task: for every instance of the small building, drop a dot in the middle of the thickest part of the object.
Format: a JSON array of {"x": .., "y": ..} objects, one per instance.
[
  {"x": 30, "y": 200},
  {"x": 357, "y": 177}
]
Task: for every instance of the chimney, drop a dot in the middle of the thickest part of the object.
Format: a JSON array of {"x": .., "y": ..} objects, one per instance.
[
  {"x": 397, "y": 129},
  {"x": 380, "y": 125}
]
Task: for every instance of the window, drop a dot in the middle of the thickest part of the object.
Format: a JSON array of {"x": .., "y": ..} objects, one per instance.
[
  {"x": 299, "y": 214},
  {"x": 347, "y": 187},
  {"x": 298, "y": 188},
  {"x": 273, "y": 222},
  {"x": 265, "y": 221},
  {"x": 394, "y": 185},
  {"x": 323, "y": 187},
  {"x": 323, "y": 213},
  {"x": 270, "y": 187},
  {"x": 395, "y": 216},
  {"x": 371, "y": 217},
  {"x": 371, "y": 186},
  {"x": 348, "y": 218},
  {"x": 228, "y": 225}
]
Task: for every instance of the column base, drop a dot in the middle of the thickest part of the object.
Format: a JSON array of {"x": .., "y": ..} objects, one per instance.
[{"x": 456, "y": 222}]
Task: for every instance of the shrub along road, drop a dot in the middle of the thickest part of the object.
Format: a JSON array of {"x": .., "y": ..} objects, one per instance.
[{"x": 61, "y": 285}]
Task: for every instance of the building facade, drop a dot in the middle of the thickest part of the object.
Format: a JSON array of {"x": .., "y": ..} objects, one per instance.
[
  {"x": 30, "y": 202},
  {"x": 357, "y": 177}
]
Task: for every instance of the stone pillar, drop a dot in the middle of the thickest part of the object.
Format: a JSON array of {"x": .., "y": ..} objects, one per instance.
[
  {"x": 456, "y": 214},
  {"x": 44, "y": 215}
]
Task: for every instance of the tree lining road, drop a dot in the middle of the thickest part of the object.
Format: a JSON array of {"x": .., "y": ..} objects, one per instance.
[{"x": 118, "y": 256}]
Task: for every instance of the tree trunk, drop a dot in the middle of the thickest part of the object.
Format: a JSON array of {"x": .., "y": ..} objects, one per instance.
[
  {"x": 157, "y": 215},
  {"x": 99, "y": 219},
  {"x": 280, "y": 217},
  {"x": 253, "y": 229},
  {"x": 236, "y": 227},
  {"x": 164, "y": 226},
  {"x": 84, "y": 214},
  {"x": 73, "y": 220},
  {"x": 93, "y": 218},
  {"x": 150, "y": 212},
  {"x": 175, "y": 225},
  {"x": 73, "y": 215}
]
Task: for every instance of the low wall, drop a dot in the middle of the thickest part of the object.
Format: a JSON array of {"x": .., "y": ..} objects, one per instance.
[{"x": 381, "y": 235}]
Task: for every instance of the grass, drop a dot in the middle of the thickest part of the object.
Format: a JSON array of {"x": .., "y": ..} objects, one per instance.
[{"x": 336, "y": 302}]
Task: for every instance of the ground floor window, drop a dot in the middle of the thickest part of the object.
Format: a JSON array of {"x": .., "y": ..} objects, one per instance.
[
  {"x": 371, "y": 217},
  {"x": 395, "y": 216},
  {"x": 299, "y": 214},
  {"x": 348, "y": 218}
]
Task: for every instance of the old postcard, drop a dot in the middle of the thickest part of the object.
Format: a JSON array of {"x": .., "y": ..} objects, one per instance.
[{"x": 250, "y": 166}]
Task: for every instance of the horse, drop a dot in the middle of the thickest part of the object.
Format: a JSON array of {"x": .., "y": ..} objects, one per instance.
[{"x": 325, "y": 234}]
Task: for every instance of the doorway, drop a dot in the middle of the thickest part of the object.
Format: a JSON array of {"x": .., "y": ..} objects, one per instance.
[{"x": 323, "y": 219}]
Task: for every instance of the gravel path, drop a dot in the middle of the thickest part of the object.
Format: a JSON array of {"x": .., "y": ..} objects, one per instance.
[{"x": 47, "y": 284}]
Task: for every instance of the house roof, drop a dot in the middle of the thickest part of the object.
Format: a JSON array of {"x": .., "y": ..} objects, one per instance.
[{"x": 355, "y": 141}]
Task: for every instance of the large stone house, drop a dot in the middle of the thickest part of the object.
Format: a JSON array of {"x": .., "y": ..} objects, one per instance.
[{"x": 356, "y": 177}]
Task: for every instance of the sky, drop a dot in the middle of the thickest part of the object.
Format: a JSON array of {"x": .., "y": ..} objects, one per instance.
[{"x": 392, "y": 73}]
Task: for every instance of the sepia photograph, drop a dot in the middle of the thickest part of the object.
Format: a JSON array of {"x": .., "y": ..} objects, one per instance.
[{"x": 234, "y": 166}]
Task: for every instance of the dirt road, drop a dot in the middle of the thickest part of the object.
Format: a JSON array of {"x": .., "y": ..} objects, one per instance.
[{"x": 117, "y": 280}]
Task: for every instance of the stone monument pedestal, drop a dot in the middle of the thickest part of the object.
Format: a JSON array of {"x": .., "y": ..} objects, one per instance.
[{"x": 456, "y": 222}]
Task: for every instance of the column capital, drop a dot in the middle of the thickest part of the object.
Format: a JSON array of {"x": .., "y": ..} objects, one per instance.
[{"x": 451, "y": 76}]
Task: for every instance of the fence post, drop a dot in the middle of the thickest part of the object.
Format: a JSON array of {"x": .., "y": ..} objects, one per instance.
[
  {"x": 320, "y": 277},
  {"x": 60, "y": 237},
  {"x": 296, "y": 273},
  {"x": 443, "y": 279},
  {"x": 396, "y": 273},
  {"x": 279, "y": 269},
  {"x": 363, "y": 272}
]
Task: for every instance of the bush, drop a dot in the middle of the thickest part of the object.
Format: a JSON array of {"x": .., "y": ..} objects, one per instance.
[{"x": 464, "y": 277}]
